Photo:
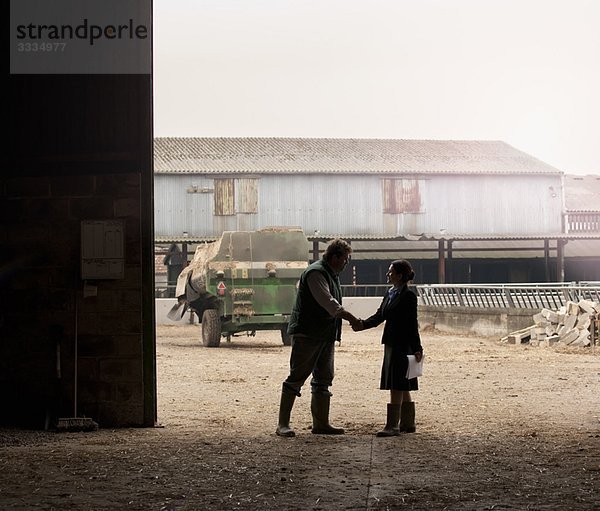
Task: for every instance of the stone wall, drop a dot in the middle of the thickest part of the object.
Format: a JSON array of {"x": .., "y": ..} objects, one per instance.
[
  {"x": 38, "y": 335},
  {"x": 80, "y": 148},
  {"x": 490, "y": 322}
]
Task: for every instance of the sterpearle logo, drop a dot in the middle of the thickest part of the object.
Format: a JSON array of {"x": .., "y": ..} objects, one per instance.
[{"x": 80, "y": 36}]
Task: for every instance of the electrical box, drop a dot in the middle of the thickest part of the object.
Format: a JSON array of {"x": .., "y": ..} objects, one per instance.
[{"x": 102, "y": 249}]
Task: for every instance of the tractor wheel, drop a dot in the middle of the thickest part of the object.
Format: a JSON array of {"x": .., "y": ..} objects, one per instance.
[
  {"x": 285, "y": 337},
  {"x": 211, "y": 328}
]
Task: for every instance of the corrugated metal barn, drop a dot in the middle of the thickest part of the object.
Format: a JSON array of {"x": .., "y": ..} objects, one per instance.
[{"x": 425, "y": 200}]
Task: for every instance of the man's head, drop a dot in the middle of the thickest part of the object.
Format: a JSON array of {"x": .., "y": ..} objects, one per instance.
[{"x": 337, "y": 254}]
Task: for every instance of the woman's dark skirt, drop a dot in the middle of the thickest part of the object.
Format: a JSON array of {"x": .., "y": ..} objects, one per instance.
[{"x": 393, "y": 370}]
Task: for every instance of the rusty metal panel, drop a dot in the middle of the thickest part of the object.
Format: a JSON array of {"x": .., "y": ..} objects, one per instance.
[
  {"x": 247, "y": 191},
  {"x": 389, "y": 196},
  {"x": 401, "y": 196},
  {"x": 224, "y": 197},
  {"x": 411, "y": 196}
]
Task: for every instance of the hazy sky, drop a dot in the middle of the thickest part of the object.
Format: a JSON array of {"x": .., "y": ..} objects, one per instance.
[{"x": 523, "y": 71}]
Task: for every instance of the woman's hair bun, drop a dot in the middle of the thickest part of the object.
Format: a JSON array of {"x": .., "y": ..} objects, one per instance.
[{"x": 403, "y": 267}]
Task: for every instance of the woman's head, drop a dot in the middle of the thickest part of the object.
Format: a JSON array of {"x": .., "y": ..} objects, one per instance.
[{"x": 401, "y": 270}]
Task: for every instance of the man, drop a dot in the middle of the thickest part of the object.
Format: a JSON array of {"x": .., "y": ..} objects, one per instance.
[
  {"x": 173, "y": 260},
  {"x": 315, "y": 325}
]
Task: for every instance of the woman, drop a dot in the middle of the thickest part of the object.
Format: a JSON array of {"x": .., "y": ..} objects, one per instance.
[{"x": 400, "y": 338}]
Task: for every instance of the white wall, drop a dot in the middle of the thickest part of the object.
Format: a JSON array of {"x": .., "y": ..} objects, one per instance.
[{"x": 162, "y": 306}]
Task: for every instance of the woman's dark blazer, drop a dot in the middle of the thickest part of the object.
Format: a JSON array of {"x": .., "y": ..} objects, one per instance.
[{"x": 401, "y": 326}]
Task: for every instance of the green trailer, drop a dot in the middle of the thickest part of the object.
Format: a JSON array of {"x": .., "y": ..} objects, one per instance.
[{"x": 244, "y": 282}]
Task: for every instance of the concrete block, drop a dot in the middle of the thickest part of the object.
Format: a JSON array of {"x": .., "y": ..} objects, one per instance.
[
  {"x": 570, "y": 322},
  {"x": 539, "y": 318},
  {"x": 570, "y": 336},
  {"x": 582, "y": 340},
  {"x": 572, "y": 308},
  {"x": 584, "y": 337},
  {"x": 582, "y": 318},
  {"x": 584, "y": 322},
  {"x": 538, "y": 333},
  {"x": 553, "y": 339},
  {"x": 519, "y": 338},
  {"x": 579, "y": 344},
  {"x": 587, "y": 306}
]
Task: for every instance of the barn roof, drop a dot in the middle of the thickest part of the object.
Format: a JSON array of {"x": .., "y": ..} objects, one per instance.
[{"x": 341, "y": 156}]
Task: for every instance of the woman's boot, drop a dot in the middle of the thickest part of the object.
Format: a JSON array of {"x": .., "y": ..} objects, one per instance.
[
  {"x": 391, "y": 424},
  {"x": 407, "y": 417}
]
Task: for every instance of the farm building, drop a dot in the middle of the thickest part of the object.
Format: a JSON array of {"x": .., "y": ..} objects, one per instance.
[{"x": 461, "y": 211}]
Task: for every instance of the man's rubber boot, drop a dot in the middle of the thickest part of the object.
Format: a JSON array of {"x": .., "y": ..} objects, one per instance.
[
  {"x": 391, "y": 424},
  {"x": 407, "y": 417},
  {"x": 285, "y": 409},
  {"x": 319, "y": 407}
]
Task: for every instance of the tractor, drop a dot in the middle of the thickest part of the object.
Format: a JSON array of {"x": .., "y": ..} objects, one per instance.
[{"x": 244, "y": 282}]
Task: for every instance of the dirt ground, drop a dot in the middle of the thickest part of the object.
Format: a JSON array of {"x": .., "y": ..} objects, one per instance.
[{"x": 498, "y": 427}]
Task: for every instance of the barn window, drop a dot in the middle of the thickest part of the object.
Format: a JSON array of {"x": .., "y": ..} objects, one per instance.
[
  {"x": 401, "y": 196},
  {"x": 224, "y": 197},
  {"x": 247, "y": 192}
]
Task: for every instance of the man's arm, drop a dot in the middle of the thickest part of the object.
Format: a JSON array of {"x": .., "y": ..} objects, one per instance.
[{"x": 320, "y": 290}]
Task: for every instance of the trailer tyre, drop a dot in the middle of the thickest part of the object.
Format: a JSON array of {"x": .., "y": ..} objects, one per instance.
[
  {"x": 286, "y": 338},
  {"x": 211, "y": 328}
]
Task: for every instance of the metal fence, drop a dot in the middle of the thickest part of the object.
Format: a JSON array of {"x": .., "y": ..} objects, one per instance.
[
  {"x": 525, "y": 296},
  {"x": 583, "y": 221}
]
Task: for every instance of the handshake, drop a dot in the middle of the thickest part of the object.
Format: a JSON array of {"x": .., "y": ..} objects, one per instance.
[{"x": 357, "y": 324}]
